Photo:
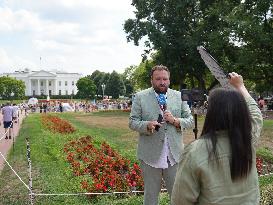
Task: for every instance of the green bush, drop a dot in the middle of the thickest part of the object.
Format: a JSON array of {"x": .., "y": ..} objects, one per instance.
[{"x": 266, "y": 154}]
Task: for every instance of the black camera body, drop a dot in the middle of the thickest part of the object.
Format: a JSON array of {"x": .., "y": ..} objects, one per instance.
[{"x": 193, "y": 95}]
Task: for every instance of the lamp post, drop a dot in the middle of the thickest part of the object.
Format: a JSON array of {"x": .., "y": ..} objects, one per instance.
[
  {"x": 103, "y": 88},
  {"x": 11, "y": 95}
]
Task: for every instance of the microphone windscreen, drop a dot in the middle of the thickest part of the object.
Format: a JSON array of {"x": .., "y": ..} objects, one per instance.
[{"x": 161, "y": 99}]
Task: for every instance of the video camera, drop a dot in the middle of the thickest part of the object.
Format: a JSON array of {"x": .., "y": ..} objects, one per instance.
[{"x": 194, "y": 95}]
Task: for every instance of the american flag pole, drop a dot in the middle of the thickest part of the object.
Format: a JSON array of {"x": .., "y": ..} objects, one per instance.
[{"x": 40, "y": 62}]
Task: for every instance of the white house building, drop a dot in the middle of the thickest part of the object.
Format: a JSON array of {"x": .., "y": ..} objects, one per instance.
[{"x": 47, "y": 82}]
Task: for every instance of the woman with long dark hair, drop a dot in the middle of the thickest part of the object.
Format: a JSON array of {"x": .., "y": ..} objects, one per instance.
[{"x": 220, "y": 167}]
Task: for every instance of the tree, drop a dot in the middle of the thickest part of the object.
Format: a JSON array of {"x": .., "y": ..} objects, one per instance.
[
  {"x": 130, "y": 80},
  {"x": 171, "y": 29},
  {"x": 115, "y": 86},
  {"x": 97, "y": 77},
  {"x": 10, "y": 85},
  {"x": 252, "y": 25},
  {"x": 129, "y": 89},
  {"x": 175, "y": 28},
  {"x": 86, "y": 88}
]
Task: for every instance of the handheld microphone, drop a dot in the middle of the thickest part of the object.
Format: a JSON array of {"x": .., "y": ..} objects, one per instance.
[
  {"x": 163, "y": 106},
  {"x": 159, "y": 120}
]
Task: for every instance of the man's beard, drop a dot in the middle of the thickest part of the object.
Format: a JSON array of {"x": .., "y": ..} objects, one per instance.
[{"x": 161, "y": 89}]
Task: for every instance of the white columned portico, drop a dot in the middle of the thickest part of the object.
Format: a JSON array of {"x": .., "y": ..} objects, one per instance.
[
  {"x": 46, "y": 87},
  {"x": 42, "y": 81},
  {"x": 39, "y": 90}
]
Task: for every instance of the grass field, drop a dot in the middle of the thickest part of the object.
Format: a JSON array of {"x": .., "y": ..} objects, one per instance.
[{"x": 51, "y": 172}]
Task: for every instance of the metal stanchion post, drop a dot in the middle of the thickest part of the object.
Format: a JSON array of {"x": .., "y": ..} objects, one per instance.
[
  {"x": 195, "y": 129},
  {"x": 29, "y": 173}
]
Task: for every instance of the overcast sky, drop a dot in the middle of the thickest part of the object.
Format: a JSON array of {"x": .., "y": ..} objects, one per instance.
[{"x": 69, "y": 35}]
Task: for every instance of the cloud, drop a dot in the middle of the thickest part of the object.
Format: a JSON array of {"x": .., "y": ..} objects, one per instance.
[
  {"x": 75, "y": 35},
  {"x": 4, "y": 59},
  {"x": 50, "y": 45},
  {"x": 10, "y": 64},
  {"x": 12, "y": 21}
]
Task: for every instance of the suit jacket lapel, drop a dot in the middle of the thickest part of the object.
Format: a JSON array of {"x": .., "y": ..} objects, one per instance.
[
  {"x": 153, "y": 100},
  {"x": 169, "y": 98}
]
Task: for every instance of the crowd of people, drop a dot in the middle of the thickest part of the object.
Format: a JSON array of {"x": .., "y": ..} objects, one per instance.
[{"x": 69, "y": 106}]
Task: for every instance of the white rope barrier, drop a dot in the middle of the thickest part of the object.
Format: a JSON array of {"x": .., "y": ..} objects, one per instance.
[
  {"x": 93, "y": 193},
  {"x": 268, "y": 174},
  {"x": 14, "y": 171}
]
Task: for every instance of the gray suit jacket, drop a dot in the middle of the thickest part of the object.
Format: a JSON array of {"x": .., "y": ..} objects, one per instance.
[{"x": 145, "y": 108}]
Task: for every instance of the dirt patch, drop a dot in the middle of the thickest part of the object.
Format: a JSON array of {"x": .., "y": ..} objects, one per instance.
[
  {"x": 122, "y": 122},
  {"x": 268, "y": 115},
  {"x": 266, "y": 139},
  {"x": 105, "y": 121}
]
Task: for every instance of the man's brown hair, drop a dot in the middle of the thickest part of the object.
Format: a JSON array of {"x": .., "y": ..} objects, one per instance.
[{"x": 159, "y": 67}]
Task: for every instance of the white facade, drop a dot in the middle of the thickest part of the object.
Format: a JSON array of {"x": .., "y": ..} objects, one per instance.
[{"x": 47, "y": 82}]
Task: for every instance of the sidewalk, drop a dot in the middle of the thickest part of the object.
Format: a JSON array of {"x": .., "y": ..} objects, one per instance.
[{"x": 6, "y": 144}]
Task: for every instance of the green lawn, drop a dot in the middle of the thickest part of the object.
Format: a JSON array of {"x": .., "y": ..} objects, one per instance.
[{"x": 52, "y": 174}]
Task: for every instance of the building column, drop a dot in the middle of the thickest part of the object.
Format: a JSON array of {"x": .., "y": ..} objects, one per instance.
[
  {"x": 39, "y": 90},
  {"x": 29, "y": 87},
  {"x": 55, "y": 87},
  {"x": 46, "y": 87}
]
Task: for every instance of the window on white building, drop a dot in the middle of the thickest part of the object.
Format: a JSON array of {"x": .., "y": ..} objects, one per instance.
[
  {"x": 72, "y": 92},
  {"x": 72, "y": 82},
  {"x": 33, "y": 92},
  {"x": 65, "y": 83},
  {"x": 49, "y": 92},
  {"x": 60, "y": 92},
  {"x": 41, "y": 83},
  {"x": 66, "y": 92},
  {"x": 49, "y": 83},
  {"x": 60, "y": 83}
]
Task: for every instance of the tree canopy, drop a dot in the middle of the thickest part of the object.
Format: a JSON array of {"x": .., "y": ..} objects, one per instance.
[
  {"x": 11, "y": 88},
  {"x": 86, "y": 88},
  {"x": 238, "y": 33},
  {"x": 115, "y": 85}
]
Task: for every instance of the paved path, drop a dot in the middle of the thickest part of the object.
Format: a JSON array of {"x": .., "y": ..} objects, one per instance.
[{"x": 6, "y": 144}]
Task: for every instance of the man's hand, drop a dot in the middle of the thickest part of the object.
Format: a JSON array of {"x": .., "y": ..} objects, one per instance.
[
  {"x": 151, "y": 126},
  {"x": 168, "y": 117}
]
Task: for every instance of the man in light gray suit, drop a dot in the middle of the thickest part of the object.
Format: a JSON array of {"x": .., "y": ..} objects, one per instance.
[{"x": 160, "y": 143}]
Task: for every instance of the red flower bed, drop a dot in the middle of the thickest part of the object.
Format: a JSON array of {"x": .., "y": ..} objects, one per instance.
[
  {"x": 108, "y": 170},
  {"x": 57, "y": 124},
  {"x": 263, "y": 167},
  {"x": 259, "y": 165}
]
